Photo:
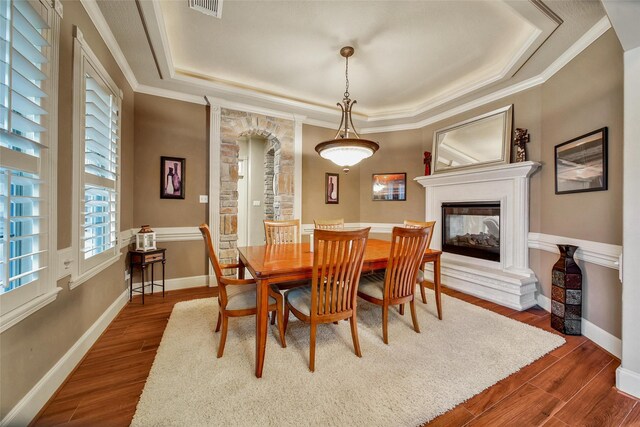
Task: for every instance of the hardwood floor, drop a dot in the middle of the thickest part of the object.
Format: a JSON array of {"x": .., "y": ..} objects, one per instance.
[{"x": 573, "y": 385}]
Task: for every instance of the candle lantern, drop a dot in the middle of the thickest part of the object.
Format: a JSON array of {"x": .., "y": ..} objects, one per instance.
[{"x": 145, "y": 239}]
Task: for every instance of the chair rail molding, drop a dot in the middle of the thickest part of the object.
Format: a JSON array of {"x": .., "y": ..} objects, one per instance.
[{"x": 603, "y": 254}]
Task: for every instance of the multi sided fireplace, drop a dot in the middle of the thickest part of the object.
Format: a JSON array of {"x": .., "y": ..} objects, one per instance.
[{"x": 472, "y": 229}]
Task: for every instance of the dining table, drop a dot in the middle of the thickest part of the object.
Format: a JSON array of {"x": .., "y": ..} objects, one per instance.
[{"x": 291, "y": 262}]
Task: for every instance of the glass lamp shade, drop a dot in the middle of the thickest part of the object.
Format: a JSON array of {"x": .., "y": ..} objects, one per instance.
[{"x": 346, "y": 152}]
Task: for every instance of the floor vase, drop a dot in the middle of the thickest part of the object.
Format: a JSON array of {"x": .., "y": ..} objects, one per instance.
[{"x": 566, "y": 293}]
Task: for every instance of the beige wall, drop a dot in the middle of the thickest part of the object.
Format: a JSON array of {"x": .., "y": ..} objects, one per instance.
[
  {"x": 166, "y": 127},
  {"x": 313, "y": 169},
  {"x": 30, "y": 348}
]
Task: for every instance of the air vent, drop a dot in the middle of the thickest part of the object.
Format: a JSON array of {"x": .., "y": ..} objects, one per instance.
[{"x": 208, "y": 7}]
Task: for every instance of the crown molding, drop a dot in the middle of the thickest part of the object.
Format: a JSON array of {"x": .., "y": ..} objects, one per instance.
[
  {"x": 93, "y": 10},
  {"x": 171, "y": 94},
  {"x": 313, "y": 112}
]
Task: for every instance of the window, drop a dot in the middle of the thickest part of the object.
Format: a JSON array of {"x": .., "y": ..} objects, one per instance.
[
  {"x": 97, "y": 176},
  {"x": 26, "y": 135}
]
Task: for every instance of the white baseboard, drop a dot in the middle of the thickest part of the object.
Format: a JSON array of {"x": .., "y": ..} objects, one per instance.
[
  {"x": 178, "y": 283},
  {"x": 29, "y": 406},
  {"x": 628, "y": 381},
  {"x": 596, "y": 334}
]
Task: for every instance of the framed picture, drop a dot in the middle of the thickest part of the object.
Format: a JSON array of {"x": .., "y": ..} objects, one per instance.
[
  {"x": 389, "y": 186},
  {"x": 172, "y": 176},
  {"x": 331, "y": 188},
  {"x": 581, "y": 164}
]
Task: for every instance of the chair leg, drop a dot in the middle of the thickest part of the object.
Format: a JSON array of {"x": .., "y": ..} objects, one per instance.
[
  {"x": 273, "y": 318},
  {"x": 312, "y": 348},
  {"x": 218, "y": 324},
  {"x": 283, "y": 342},
  {"x": 401, "y": 309},
  {"x": 354, "y": 335},
  {"x": 414, "y": 317},
  {"x": 286, "y": 318},
  {"x": 223, "y": 336},
  {"x": 422, "y": 292},
  {"x": 385, "y": 321}
]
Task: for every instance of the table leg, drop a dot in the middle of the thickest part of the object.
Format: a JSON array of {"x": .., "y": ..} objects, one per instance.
[
  {"x": 436, "y": 285},
  {"x": 130, "y": 281},
  {"x": 163, "y": 262},
  {"x": 152, "y": 280},
  {"x": 143, "y": 277},
  {"x": 241, "y": 270},
  {"x": 262, "y": 302}
]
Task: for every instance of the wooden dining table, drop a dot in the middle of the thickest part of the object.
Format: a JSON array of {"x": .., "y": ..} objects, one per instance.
[{"x": 282, "y": 263}]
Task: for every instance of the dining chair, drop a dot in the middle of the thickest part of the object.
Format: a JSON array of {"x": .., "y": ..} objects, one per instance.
[
  {"x": 422, "y": 282},
  {"x": 283, "y": 231},
  {"x": 396, "y": 286},
  {"x": 236, "y": 297},
  {"x": 332, "y": 294},
  {"x": 329, "y": 224}
]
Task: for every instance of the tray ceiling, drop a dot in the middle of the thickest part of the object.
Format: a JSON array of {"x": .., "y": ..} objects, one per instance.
[{"x": 411, "y": 56}]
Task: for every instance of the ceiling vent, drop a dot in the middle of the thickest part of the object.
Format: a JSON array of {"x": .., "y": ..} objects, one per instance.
[{"x": 208, "y": 7}]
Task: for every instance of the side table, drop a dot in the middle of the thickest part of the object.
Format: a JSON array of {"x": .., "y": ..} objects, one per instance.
[{"x": 143, "y": 259}]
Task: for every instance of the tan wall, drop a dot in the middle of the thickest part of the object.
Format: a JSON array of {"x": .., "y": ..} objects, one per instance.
[
  {"x": 166, "y": 127},
  {"x": 399, "y": 152},
  {"x": 313, "y": 169},
  {"x": 585, "y": 95},
  {"x": 29, "y": 349}
]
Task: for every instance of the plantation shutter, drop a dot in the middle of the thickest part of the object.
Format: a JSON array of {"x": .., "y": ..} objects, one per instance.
[
  {"x": 24, "y": 53},
  {"x": 100, "y": 177}
]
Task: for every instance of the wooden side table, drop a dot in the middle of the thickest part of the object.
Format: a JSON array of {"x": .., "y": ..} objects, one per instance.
[{"x": 144, "y": 259}]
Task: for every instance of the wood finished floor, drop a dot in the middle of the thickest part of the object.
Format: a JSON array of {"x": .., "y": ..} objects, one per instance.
[{"x": 572, "y": 385}]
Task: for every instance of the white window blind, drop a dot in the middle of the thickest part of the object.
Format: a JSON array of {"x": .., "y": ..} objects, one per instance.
[
  {"x": 97, "y": 174},
  {"x": 100, "y": 168},
  {"x": 24, "y": 54}
]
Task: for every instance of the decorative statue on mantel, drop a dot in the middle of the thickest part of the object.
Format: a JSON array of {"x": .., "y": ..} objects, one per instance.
[
  {"x": 521, "y": 137},
  {"x": 427, "y": 163}
]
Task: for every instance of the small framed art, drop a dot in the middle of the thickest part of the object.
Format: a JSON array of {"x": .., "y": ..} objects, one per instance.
[
  {"x": 331, "y": 188},
  {"x": 581, "y": 163},
  {"x": 389, "y": 186},
  {"x": 172, "y": 177}
]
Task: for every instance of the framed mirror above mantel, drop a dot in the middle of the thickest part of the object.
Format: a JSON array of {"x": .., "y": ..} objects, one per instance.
[{"x": 477, "y": 142}]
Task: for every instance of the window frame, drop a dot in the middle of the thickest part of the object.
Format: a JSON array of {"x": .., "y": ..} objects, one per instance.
[
  {"x": 86, "y": 61},
  {"x": 29, "y": 298}
]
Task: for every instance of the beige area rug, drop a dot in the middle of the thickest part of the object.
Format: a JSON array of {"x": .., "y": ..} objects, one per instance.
[{"x": 408, "y": 382}]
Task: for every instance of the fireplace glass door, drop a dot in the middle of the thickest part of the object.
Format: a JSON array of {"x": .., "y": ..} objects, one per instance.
[{"x": 472, "y": 229}]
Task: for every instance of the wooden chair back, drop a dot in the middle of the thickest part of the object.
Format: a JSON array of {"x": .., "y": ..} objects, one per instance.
[
  {"x": 279, "y": 232},
  {"x": 337, "y": 264},
  {"x": 407, "y": 250},
  {"x": 329, "y": 224},
  {"x": 223, "y": 295},
  {"x": 420, "y": 224}
]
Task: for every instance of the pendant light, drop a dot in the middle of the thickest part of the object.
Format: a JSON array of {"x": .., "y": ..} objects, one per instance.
[{"x": 346, "y": 148}]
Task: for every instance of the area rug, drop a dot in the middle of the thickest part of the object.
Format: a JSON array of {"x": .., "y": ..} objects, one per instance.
[{"x": 408, "y": 382}]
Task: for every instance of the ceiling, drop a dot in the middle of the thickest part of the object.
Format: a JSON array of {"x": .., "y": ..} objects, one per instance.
[{"x": 412, "y": 58}]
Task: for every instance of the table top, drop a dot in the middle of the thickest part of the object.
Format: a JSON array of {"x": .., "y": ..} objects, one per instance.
[{"x": 296, "y": 258}]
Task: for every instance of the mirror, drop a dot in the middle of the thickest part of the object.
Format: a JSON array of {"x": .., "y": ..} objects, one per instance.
[{"x": 480, "y": 141}]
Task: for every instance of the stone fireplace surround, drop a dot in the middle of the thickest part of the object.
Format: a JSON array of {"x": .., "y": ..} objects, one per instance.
[{"x": 509, "y": 282}]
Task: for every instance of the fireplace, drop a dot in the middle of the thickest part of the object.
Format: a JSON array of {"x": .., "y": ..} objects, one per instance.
[{"x": 472, "y": 229}]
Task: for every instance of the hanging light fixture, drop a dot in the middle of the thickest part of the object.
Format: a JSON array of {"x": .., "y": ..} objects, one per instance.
[{"x": 346, "y": 148}]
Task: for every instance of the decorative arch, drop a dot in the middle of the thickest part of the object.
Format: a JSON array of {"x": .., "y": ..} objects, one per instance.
[{"x": 279, "y": 134}]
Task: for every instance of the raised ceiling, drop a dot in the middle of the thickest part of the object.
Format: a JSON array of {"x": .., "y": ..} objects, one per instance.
[{"x": 412, "y": 57}]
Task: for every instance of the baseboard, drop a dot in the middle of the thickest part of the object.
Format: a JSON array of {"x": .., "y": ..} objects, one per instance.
[
  {"x": 628, "y": 381},
  {"x": 596, "y": 334},
  {"x": 180, "y": 283},
  {"x": 29, "y": 406}
]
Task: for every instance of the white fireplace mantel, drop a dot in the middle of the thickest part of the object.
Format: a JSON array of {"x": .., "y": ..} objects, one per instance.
[{"x": 509, "y": 282}]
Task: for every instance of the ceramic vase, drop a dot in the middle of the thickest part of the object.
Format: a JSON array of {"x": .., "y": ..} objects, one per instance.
[{"x": 566, "y": 293}]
